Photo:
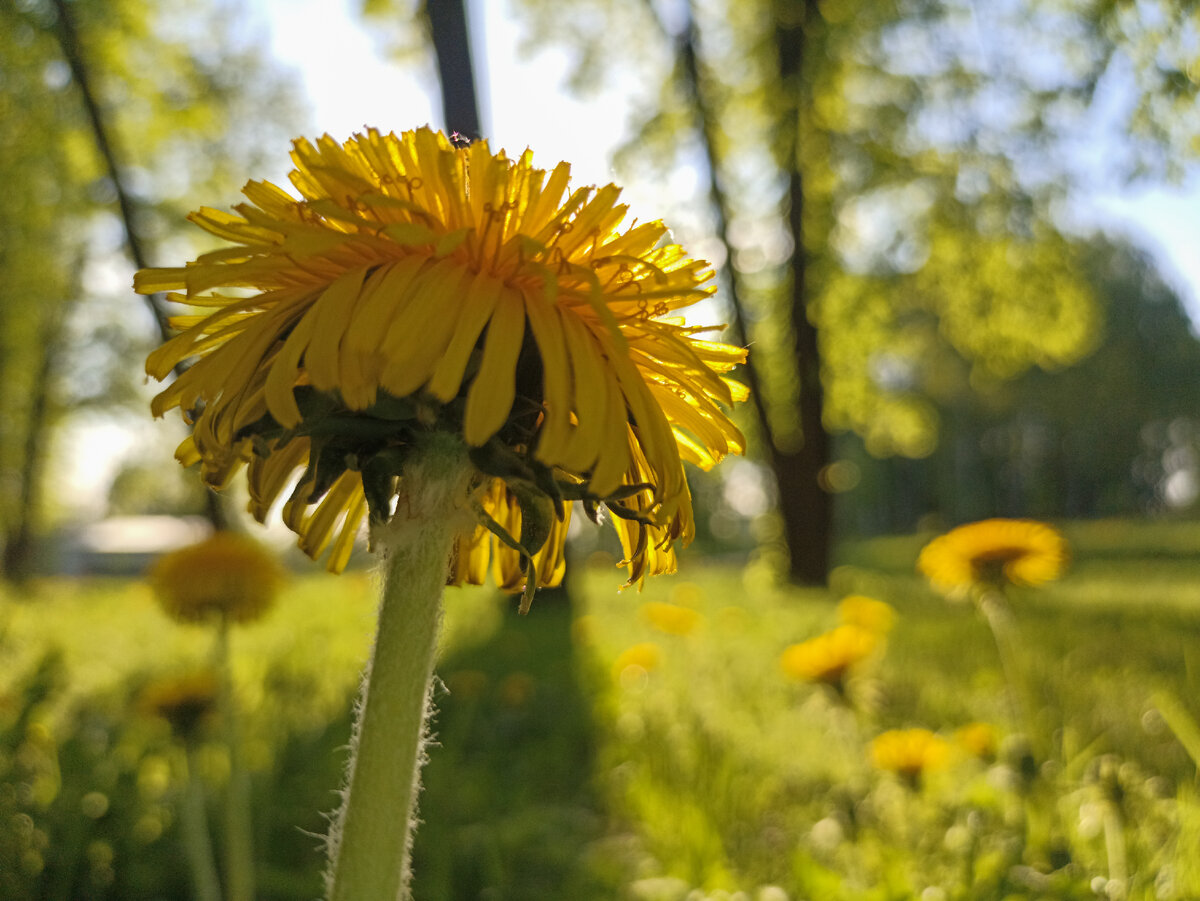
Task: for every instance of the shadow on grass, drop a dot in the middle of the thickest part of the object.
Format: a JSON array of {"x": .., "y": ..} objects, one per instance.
[{"x": 506, "y": 807}]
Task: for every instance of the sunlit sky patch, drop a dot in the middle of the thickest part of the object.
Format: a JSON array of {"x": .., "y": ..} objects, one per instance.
[{"x": 349, "y": 83}]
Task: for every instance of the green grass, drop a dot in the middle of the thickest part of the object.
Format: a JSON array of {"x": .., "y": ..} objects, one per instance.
[{"x": 710, "y": 773}]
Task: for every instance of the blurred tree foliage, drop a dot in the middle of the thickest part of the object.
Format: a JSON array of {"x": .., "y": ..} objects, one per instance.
[
  {"x": 1113, "y": 434},
  {"x": 884, "y": 177},
  {"x": 186, "y": 105}
]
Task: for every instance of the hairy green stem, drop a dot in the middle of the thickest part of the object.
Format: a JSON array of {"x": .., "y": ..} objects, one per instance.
[{"x": 370, "y": 842}]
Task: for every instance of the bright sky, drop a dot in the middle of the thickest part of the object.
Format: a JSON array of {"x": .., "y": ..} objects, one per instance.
[
  {"x": 349, "y": 84},
  {"x": 1165, "y": 221}
]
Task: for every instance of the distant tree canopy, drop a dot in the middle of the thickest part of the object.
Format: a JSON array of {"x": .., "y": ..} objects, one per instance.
[
  {"x": 184, "y": 118},
  {"x": 884, "y": 179},
  {"x": 1116, "y": 434}
]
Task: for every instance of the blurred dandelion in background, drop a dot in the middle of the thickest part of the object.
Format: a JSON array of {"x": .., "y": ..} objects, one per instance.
[
  {"x": 830, "y": 658},
  {"x": 866, "y": 613},
  {"x": 187, "y": 701},
  {"x": 639, "y": 659},
  {"x": 980, "y": 740},
  {"x": 670, "y": 618},
  {"x": 981, "y": 561},
  {"x": 225, "y": 579},
  {"x": 226, "y": 576},
  {"x": 994, "y": 553},
  {"x": 910, "y": 753}
]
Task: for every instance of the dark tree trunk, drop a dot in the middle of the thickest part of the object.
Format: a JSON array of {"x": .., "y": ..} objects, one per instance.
[
  {"x": 805, "y": 505},
  {"x": 806, "y": 509},
  {"x": 73, "y": 50},
  {"x": 706, "y": 125},
  {"x": 452, "y": 46},
  {"x": 20, "y": 547}
]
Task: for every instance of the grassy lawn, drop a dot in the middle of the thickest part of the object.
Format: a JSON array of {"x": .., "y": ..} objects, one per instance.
[{"x": 602, "y": 748}]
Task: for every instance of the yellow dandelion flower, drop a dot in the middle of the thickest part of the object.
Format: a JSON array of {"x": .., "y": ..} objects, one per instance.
[
  {"x": 225, "y": 575},
  {"x": 910, "y": 753},
  {"x": 645, "y": 656},
  {"x": 418, "y": 286},
  {"x": 866, "y": 613},
  {"x": 687, "y": 594},
  {"x": 185, "y": 701},
  {"x": 978, "y": 739},
  {"x": 670, "y": 618},
  {"x": 829, "y": 658},
  {"x": 993, "y": 552}
]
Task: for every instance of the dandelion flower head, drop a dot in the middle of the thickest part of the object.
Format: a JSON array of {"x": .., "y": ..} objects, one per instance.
[
  {"x": 830, "y": 657},
  {"x": 225, "y": 575},
  {"x": 642, "y": 657},
  {"x": 419, "y": 286},
  {"x": 670, "y": 618},
  {"x": 910, "y": 753},
  {"x": 867, "y": 613},
  {"x": 978, "y": 739},
  {"x": 994, "y": 552},
  {"x": 184, "y": 700}
]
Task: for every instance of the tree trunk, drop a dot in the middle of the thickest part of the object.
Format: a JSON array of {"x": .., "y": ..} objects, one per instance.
[
  {"x": 805, "y": 505},
  {"x": 20, "y": 545},
  {"x": 452, "y": 46},
  {"x": 72, "y": 47},
  {"x": 20, "y": 548},
  {"x": 806, "y": 508}
]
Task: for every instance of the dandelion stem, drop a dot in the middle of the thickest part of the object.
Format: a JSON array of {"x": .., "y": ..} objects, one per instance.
[
  {"x": 370, "y": 842},
  {"x": 196, "y": 840},
  {"x": 1114, "y": 846},
  {"x": 994, "y": 608},
  {"x": 239, "y": 839}
]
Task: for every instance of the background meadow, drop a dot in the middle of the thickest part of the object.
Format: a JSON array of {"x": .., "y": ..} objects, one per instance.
[
  {"x": 583, "y": 751},
  {"x": 959, "y": 239}
]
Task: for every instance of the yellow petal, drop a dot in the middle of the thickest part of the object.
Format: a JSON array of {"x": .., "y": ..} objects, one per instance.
[
  {"x": 332, "y": 313},
  {"x": 493, "y": 390},
  {"x": 385, "y": 294},
  {"x": 448, "y": 375},
  {"x": 547, "y": 329},
  {"x": 591, "y": 397},
  {"x": 419, "y": 335},
  {"x": 281, "y": 380}
]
